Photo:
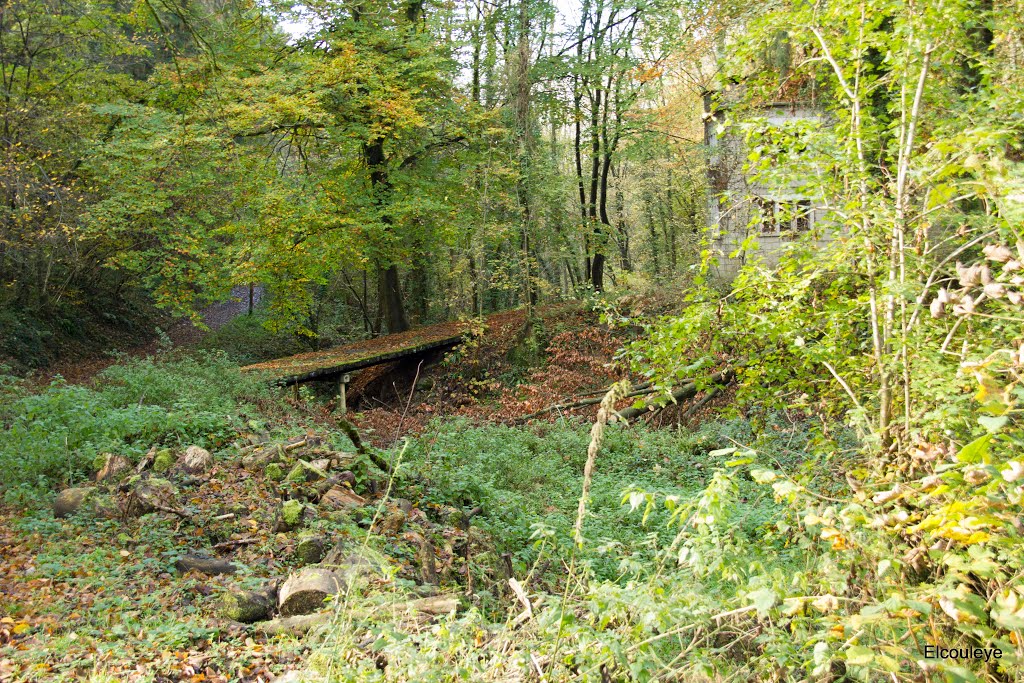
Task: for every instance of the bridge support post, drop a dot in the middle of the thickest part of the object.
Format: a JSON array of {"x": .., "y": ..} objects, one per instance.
[{"x": 343, "y": 381}]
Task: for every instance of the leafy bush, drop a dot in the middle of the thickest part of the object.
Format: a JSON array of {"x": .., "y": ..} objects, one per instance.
[
  {"x": 246, "y": 339},
  {"x": 54, "y": 436}
]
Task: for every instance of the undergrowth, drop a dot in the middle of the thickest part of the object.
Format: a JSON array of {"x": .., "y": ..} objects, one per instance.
[{"x": 52, "y": 437}]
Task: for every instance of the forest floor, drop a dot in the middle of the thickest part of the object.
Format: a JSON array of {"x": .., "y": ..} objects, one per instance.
[{"x": 116, "y": 608}]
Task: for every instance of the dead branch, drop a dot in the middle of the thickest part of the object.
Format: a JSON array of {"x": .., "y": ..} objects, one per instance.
[{"x": 684, "y": 392}]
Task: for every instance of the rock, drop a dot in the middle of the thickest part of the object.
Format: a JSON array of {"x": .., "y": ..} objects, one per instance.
[
  {"x": 341, "y": 498},
  {"x": 148, "y": 495},
  {"x": 114, "y": 467},
  {"x": 305, "y": 472},
  {"x": 304, "y": 592},
  {"x": 291, "y": 515},
  {"x": 273, "y": 472},
  {"x": 210, "y": 566},
  {"x": 392, "y": 523},
  {"x": 163, "y": 461},
  {"x": 70, "y": 500},
  {"x": 195, "y": 460},
  {"x": 404, "y": 505},
  {"x": 245, "y": 606},
  {"x": 311, "y": 549},
  {"x": 87, "y": 500},
  {"x": 323, "y": 464},
  {"x": 294, "y": 626}
]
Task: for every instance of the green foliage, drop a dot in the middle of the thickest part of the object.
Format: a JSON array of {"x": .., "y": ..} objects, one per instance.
[{"x": 56, "y": 434}]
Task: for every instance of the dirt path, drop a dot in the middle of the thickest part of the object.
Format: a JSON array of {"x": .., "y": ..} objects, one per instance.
[{"x": 182, "y": 333}]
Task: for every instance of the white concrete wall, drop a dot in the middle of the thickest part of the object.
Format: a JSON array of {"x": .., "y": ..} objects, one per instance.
[{"x": 729, "y": 221}]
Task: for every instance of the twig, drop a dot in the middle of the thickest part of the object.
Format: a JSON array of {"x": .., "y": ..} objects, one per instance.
[
  {"x": 412, "y": 391},
  {"x": 174, "y": 511},
  {"x": 236, "y": 543}
]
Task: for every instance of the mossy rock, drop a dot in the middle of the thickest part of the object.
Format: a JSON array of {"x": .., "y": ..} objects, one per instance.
[
  {"x": 245, "y": 606},
  {"x": 163, "y": 461},
  {"x": 293, "y": 515},
  {"x": 311, "y": 549},
  {"x": 87, "y": 500},
  {"x": 305, "y": 472},
  {"x": 150, "y": 494},
  {"x": 273, "y": 472}
]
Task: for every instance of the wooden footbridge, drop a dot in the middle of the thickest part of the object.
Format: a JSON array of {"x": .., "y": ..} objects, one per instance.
[{"x": 333, "y": 364}]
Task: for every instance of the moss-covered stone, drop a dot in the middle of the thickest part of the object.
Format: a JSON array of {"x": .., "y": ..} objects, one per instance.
[
  {"x": 150, "y": 494},
  {"x": 311, "y": 549},
  {"x": 292, "y": 513},
  {"x": 163, "y": 461},
  {"x": 87, "y": 500},
  {"x": 305, "y": 472},
  {"x": 273, "y": 472},
  {"x": 245, "y": 606}
]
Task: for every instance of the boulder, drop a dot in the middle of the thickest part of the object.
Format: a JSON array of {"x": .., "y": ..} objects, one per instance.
[
  {"x": 304, "y": 592},
  {"x": 194, "y": 460},
  {"x": 114, "y": 467},
  {"x": 163, "y": 461},
  {"x": 149, "y": 494},
  {"x": 85, "y": 499}
]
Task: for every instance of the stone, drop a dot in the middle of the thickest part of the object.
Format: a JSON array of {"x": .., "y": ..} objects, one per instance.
[
  {"x": 86, "y": 500},
  {"x": 150, "y": 494},
  {"x": 273, "y": 472},
  {"x": 114, "y": 467},
  {"x": 194, "y": 460},
  {"x": 305, "y": 472},
  {"x": 163, "y": 461},
  {"x": 245, "y": 606},
  {"x": 311, "y": 549}
]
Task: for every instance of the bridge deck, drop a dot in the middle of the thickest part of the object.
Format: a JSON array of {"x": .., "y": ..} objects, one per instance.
[{"x": 330, "y": 363}]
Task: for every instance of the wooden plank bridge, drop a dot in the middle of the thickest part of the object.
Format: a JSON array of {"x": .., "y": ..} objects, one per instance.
[{"x": 334, "y": 363}]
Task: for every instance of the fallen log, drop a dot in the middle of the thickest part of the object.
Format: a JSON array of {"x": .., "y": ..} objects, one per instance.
[
  {"x": 294, "y": 626},
  {"x": 353, "y": 435},
  {"x": 686, "y": 391},
  {"x": 266, "y": 455},
  {"x": 438, "y": 605},
  {"x": 580, "y": 404},
  {"x": 697, "y": 405},
  {"x": 210, "y": 566},
  {"x": 304, "y": 592}
]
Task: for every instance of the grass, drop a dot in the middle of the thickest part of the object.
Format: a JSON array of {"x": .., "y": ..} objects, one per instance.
[{"x": 54, "y": 436}]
